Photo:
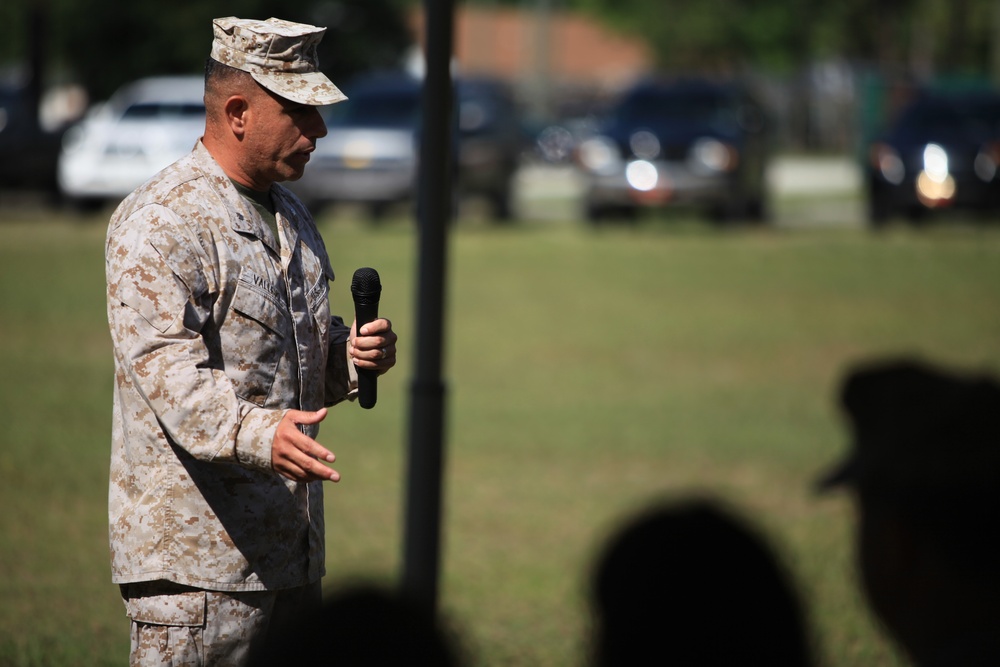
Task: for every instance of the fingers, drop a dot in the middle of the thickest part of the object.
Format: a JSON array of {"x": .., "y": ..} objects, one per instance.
[
  {"x": 304, "y": 417},
  {"x": 297, "y": 456},
  {"x": 376, "y": 327},
  {"x": 375, "y": 347},
  {"x": 302, "y": 468}
]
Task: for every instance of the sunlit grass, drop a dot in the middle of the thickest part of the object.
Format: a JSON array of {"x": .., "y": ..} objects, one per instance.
[{"x": 589, "y": 372}]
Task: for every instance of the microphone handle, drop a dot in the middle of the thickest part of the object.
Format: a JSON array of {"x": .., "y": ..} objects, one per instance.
[{"x": 367, "y": 379}]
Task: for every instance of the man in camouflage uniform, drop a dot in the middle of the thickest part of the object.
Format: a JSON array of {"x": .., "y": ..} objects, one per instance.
[{"x": 226, "y": 358}]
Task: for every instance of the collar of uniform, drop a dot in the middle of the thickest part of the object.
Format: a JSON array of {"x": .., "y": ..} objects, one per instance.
[
  {"x": 263, "y": 205},
  {"x": 284, "y": 208},
  {"x": 240, "y": 218}
]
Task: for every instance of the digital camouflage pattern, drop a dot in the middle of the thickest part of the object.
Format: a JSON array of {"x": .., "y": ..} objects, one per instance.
[
  {"x": 173, "y": 625},
  {"x": 216, "y": 333},
  {"x": 280, "y": 55}
]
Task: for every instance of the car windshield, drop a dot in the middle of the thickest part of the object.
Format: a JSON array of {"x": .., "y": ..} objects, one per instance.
[
  {"x": 161, "y": 110},
  {"x": 654, "y": 107},
  {"x": 395, "y": 109},
  {"x": 981, "y": 114},
  {"x": 986, "y": 114}
]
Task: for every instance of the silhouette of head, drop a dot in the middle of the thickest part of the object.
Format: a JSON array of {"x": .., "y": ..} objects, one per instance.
[
  {"x": 361, "y": 627},
  {"x": 924, "y": 468},
  {"x": 689, "y": 584}
]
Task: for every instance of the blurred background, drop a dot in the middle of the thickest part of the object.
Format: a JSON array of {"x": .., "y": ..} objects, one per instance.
[
  {"x": 825, "y": 81},
  {"x": 678, "y": 223}
]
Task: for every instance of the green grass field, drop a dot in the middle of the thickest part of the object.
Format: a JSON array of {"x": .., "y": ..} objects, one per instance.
[{"x": 589, "y": 372}]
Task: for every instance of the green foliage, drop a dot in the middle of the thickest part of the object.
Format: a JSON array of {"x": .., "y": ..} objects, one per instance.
[
  {"x": 781, "y": 35},
  {"x": 105, "y": 43}
]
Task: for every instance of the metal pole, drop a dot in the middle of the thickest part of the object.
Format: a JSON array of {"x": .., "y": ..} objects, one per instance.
[{"x": 422, "y": 535}]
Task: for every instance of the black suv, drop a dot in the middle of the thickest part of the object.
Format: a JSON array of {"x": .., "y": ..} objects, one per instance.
[
  {"x": 28, "y": 153},
  {"x": 691, "y": 142},
  {"x": 941, "y": 152}
]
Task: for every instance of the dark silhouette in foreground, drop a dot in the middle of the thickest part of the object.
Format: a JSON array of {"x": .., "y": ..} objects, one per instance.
[
  {"x": 363, "y": 626},
  {"x": 690, "y": 584},
  {"x": 924, "y": 471}
]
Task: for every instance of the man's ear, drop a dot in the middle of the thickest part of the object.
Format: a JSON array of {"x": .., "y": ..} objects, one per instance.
[{"x": 236, "y": 109}]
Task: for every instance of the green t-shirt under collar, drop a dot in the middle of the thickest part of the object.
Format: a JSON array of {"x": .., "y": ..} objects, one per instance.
[{"x": 264, "y": 204}]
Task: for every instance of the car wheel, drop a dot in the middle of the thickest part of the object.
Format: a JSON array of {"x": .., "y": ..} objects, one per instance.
[
  {"x": 377, "y": 211},
  {"x": 879, "y": 208},
  {"x": 757, "y": 209},
  {"x": 85, "y": 205},
  {"x": 726, "y": 213},
  {"x": 733, "y": 208},
  {"x": 917, "y": 215},
  {"x": 500, "y": 203},
  {"x": 595, "y": 213}
]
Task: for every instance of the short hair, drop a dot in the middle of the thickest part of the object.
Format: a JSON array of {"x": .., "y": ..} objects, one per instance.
[{"x": 222, "y": 80}]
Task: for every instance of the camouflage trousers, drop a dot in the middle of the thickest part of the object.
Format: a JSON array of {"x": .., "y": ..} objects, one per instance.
[{"x": 177, "y": 625}]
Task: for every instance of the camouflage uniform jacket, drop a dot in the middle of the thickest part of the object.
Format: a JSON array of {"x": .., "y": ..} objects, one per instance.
[{"x": 216, "y": 334}]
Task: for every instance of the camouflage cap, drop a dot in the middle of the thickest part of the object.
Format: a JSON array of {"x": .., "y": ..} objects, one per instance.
[{"x": 280, "y": 55}]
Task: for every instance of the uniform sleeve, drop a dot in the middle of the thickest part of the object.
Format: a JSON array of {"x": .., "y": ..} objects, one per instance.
[
  {"x": 341, "y": 375},
  {"x": 160, "y": 286}
]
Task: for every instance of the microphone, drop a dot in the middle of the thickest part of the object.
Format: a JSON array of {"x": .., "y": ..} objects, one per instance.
[{"x": 366, "y": 289}]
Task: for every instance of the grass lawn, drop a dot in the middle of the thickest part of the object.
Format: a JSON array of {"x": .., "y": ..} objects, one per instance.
[{"x": 589, "y": 373}]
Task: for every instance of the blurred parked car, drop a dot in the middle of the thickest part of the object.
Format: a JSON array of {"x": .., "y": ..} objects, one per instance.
[
  {"x": 371, "y": 153},
  {"x": 942, "y": 152},
  {"x": 491, "y": 140},
  {"x": 686, "y": 142},
  {"x": 28, "y": 152},
  {"x": 556, "y": 142},
  {"x": 121, "y": 143}
]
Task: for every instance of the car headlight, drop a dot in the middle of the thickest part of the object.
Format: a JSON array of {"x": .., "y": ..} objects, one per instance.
[
  {"x": 987, "y": 161},
  {"x": 642, "y": 175},
  {"x": 599, "y": 154},
  {"x": 644, "y": 145},
  {"x": 886, "y": 161},
  {"x": 935, "y": 185},
  {"x": 936, "y": 162},
  {"x": 709, "y": 154}
]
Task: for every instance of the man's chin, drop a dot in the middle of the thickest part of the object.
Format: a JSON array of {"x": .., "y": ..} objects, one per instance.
[{"x": 290, "y": 174}]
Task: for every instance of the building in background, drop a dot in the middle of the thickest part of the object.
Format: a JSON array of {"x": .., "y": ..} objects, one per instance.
[{"x": 552, "y": 58}]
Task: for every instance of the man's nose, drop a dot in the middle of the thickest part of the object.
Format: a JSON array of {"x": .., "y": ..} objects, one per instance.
[{"x": 318, "y": 126}]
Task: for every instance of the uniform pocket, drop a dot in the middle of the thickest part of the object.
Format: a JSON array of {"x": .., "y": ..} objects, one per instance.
[
  {"x": 254, "y": 337},
  {"x": 157, "y": 603},
  {"x": 318, "y": 298}
]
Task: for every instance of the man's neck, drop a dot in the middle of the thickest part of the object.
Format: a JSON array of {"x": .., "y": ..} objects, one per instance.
[{"x": 226, "y": 158}]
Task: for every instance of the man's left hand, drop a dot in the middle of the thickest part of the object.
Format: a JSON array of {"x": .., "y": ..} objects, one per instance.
[{"x": 374, "y": 348}]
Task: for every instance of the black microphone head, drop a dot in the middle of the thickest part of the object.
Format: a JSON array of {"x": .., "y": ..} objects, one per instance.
[{"x": 366, "y": 283}]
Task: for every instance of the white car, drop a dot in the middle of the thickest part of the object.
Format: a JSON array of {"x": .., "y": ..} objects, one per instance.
[{"x": 121, "y": 143}]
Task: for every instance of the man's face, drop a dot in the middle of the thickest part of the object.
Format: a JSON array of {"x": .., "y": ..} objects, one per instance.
[{"x": 280, "y": 136}]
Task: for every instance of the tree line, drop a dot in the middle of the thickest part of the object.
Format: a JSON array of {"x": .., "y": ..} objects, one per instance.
[{"x": 104, "y": 43}]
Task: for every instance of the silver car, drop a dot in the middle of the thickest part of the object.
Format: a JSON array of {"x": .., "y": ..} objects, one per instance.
[
  {"x": 371, "y": 154},
  {"x": 121, "y": 143}
]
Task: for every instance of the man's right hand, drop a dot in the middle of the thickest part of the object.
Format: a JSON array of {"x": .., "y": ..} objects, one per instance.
[{"x": 297, "y": 456}]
